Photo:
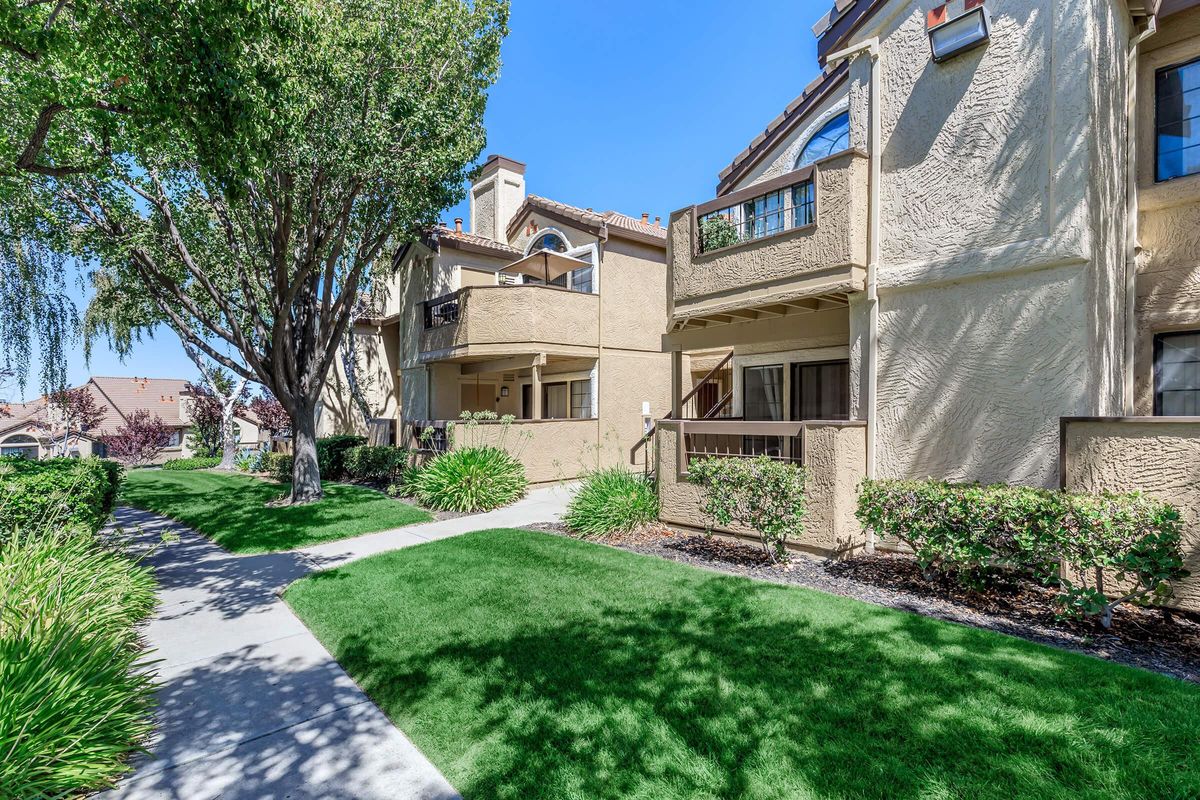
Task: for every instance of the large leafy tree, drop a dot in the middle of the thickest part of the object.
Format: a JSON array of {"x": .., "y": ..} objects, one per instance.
[{"x": 246, "y": 210}]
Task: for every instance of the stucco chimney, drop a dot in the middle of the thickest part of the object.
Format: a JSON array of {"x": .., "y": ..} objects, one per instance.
[
  {"x": 658, "y": 222},
  {"x": 496, "y": 195},
  {"x": 458, "y": 224},
  {"x": 645, "y": 218}
]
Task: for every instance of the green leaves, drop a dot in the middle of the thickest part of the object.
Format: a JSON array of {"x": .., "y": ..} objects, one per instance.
[
  {"x": 471, "y": 479},
  {"x": 759, "y": 493},
  {"x": 611, "y": 500},
  {"x": 975, "y": 534}
]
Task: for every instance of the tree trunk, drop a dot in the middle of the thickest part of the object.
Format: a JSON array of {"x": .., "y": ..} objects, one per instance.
[
  {"x": 229, "y": 428},
  {"x": 306, "y": 475}
]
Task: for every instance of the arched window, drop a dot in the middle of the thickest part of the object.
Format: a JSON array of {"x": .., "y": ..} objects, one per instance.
[
  {"x": 833, "y": 137},
  {"x": 19, "y": 445},
  {"x": 547, "y": 241}
]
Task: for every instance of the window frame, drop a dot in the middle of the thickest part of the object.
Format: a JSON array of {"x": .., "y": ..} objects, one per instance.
[
  {"x": 1158, "y": 348},
  {"x": 1157, "y": 153},
  {"x": 795, "y": 368},
  {"x": 843, "y": 114}
]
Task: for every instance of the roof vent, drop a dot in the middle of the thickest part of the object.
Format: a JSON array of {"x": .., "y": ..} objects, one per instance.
[
  {"x": 658, "y": 222},
  {"x": 645, "y": 218},
  {"x": 458, "y": 224}
]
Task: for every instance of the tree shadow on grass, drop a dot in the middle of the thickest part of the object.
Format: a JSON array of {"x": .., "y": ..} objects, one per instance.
[{"x": 727, "y": 691}]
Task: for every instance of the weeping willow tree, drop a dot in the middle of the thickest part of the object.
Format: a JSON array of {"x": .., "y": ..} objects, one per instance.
[{"x": 239, "y": 171}]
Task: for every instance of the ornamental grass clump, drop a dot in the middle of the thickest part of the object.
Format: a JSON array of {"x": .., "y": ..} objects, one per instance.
[
  {"x": 761, "y": 493},
  {"x": 75, "y": 693},
  {"x": 471, "y": 479},
  {"x": 1097, "y": 551},
  {"x": 612, "y": 500}
]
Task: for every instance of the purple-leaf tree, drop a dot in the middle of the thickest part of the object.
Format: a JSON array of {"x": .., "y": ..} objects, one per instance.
[
  {"x": 140, "y": 440},
  {"x": 272, "y": 416},
  {"x": 68, "y": 415}
]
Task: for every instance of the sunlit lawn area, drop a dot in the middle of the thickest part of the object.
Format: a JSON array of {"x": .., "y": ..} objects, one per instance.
[
  {"x": 231, "y": 509},
  {"x": 528, "y": 665}
]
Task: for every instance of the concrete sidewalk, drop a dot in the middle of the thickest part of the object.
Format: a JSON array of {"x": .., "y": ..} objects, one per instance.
[{"x": 251, "y": 704}]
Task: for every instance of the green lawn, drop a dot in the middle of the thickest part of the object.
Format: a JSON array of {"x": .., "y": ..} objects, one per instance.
[
  {"x": 231, "y": 509},
  {"x": 528, "y": 665}
]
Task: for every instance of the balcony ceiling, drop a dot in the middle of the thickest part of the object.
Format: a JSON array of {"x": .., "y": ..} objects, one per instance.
[{"x": 769, "y": 310}]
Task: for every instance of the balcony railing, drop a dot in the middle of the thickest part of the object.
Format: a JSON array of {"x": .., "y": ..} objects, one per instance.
[
  {"x": 442, "y": 310},
  {"x": 780, "y": 441},
  {"x": 774, "y": 212}
]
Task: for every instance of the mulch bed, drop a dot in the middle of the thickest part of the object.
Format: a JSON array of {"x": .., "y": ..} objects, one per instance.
[{"x": 1150, "y": 639}]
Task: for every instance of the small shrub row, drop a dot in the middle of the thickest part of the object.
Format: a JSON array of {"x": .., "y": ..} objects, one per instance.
[
  {"x": 375, "y": 464},
  {"x": 761, "y": 493},
  {"x": 974, "y": 534},
  {"x": 76, "y": 698},
  {"x": 72, "y": 491},
  {"x": 331, "y": 455},
  {"x": 194, "y": 462},
  {"x": 612, "y": 500},
  {"x": 471, "y": 479}
]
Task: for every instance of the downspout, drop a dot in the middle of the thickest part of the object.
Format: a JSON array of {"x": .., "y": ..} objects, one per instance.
[
  {"x": 598, "y": 287},
  {"x": 875, "y": 160},
  {"x": 1131, "y": 212}
]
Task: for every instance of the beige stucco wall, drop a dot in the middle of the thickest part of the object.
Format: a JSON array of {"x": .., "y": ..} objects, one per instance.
[
  {"x": 1168, "y": 264},
  {"x": 378, "y": 361},
  {"x": 839, "y": 238},
  {"x": 550, "y": 450},
  {"x": 519, "y": 318},
  {"x": 835, "y": 457},
  {"x": 1159, "y": 458}
]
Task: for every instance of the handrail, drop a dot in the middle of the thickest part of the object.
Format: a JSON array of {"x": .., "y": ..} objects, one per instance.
[{"x": 695, "y": 389}]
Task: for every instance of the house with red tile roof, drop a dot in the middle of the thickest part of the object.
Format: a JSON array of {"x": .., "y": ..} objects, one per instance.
[{"x": 28, "y": 428}]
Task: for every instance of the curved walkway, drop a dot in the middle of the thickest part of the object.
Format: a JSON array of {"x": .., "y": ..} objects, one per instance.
[{"x": 251, "y": 704}]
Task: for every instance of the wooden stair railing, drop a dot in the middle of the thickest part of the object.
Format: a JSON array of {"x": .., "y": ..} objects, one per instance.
[{"x": 710, "y": 414}]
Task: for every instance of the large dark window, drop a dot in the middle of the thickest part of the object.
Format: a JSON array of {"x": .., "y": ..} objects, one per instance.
[
  {"x": 1177, "y": 374},
  {"x": 1176, "y": 118},
  {"x": 762, "y": 399},
  {"x": 821, "y": 390}
]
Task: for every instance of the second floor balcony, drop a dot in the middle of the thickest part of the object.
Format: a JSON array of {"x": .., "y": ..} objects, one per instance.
[
  {"x": 798, "y": 235},
  {"x": 519, "y": 318}
]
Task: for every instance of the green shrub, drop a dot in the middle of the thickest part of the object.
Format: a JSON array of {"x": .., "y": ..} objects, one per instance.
[
  {"x": 76, "y": 699},
  {"x": 612, "y": 500},
  {"x": 374, "y": 464},
  {"x": 762, "y": 494},
  {"x": 972, "y": 534},
  {"x": 404, "y": 483},
  {"x": 71, "y": 491},
  {"x": 279, "y": 466},
  {"x": 717, "y": 231},
  {"x": 251, "y": 460},
  {"x": 331, "y": 454},
  {"x": 194, "y": 462},
  {"x": 471, "y": 479}
]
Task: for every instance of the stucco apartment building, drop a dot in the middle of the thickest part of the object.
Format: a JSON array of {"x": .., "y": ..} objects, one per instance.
[
  {"x": 31, "y": 430},
  {"x": 978, "y": 224},
  {"x": 547, "y": 312}
]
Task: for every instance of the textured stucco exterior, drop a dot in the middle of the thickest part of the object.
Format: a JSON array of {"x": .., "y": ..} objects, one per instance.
[
  {"x": 550, "y": 450},
  {"x": 835, "y": 456},
  {"x": 1161, "y": 459}
]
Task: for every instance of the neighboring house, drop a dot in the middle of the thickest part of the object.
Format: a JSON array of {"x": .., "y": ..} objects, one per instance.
[
  {"x": 25, "y": 434},
  {"x": 935, "y": 254},
  {"x": 546, "y": 312}
]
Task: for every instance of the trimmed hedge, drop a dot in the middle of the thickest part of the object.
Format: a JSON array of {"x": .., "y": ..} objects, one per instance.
[
  {"x": 612, "y": 500},
  {"x": 974, "y": 534},
  {"x": 377, "y": 464},
  {"x": 278, "y": 466},
  {"x": 331, "y": 455},
  {"x": 195, "y": 462},
  {"x": 67, "y": 492}
]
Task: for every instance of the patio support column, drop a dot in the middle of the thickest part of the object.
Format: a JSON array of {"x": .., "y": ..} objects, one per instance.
[
  {"x": 536, "y": 390},
  {"x": 677, "y": 384}
]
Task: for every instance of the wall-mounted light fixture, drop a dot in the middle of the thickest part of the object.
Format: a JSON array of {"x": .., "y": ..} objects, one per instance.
[
  {"x": 956, "y": 27},
  {"x": 504, "y": 391}
]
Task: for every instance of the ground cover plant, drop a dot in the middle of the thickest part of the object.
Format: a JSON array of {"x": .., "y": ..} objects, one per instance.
[
  {"x": 236, "y": 511},
  {"x": 977, "y": 534},
  {"x": 192, "y": 462},
  {"x": 611, "y": 500},
  {"x": 75, "y": 695},
  {"x": 761, "y": 493},
  {"x": 537, "y": 666}
]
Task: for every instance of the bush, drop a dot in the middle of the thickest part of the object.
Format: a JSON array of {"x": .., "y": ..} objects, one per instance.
[
  {"x": 471, "y": 479},
  {"x": 973, "y": 534},
  {"x": 762, "y": 494},
  {"x": 76, "y": 698},
  {"x": 374, "y": 464},
  {"x": 71, "y": 491},
  {"x": 251, "y": 460},
  {"x": 404, "y": 483},
  {"x": 331, "y": 454},
  {"x": 195, "y": 462},
  {"x": 279, "y": 466},
  {"x": 612, "y": 500}
]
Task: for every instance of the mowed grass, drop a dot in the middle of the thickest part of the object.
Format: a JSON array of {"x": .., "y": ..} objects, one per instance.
[
  {"x": 527, "y": 665},
  {"x": 232, "y": 509}
]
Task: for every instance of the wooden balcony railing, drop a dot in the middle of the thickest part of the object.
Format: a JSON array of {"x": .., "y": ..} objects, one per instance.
[{"x": 782, "y": 441}]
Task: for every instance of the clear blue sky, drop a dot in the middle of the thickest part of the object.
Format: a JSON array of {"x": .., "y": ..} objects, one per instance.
[{"x": 632, "y": 106}]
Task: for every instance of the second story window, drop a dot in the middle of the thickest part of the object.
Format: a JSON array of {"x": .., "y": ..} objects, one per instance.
[
  {"x": 1177, "y": 121},
  {"x": 834, "y": 137},
  {"x": 548, "y": 241},
  {"x": 766, "y": 215}
]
